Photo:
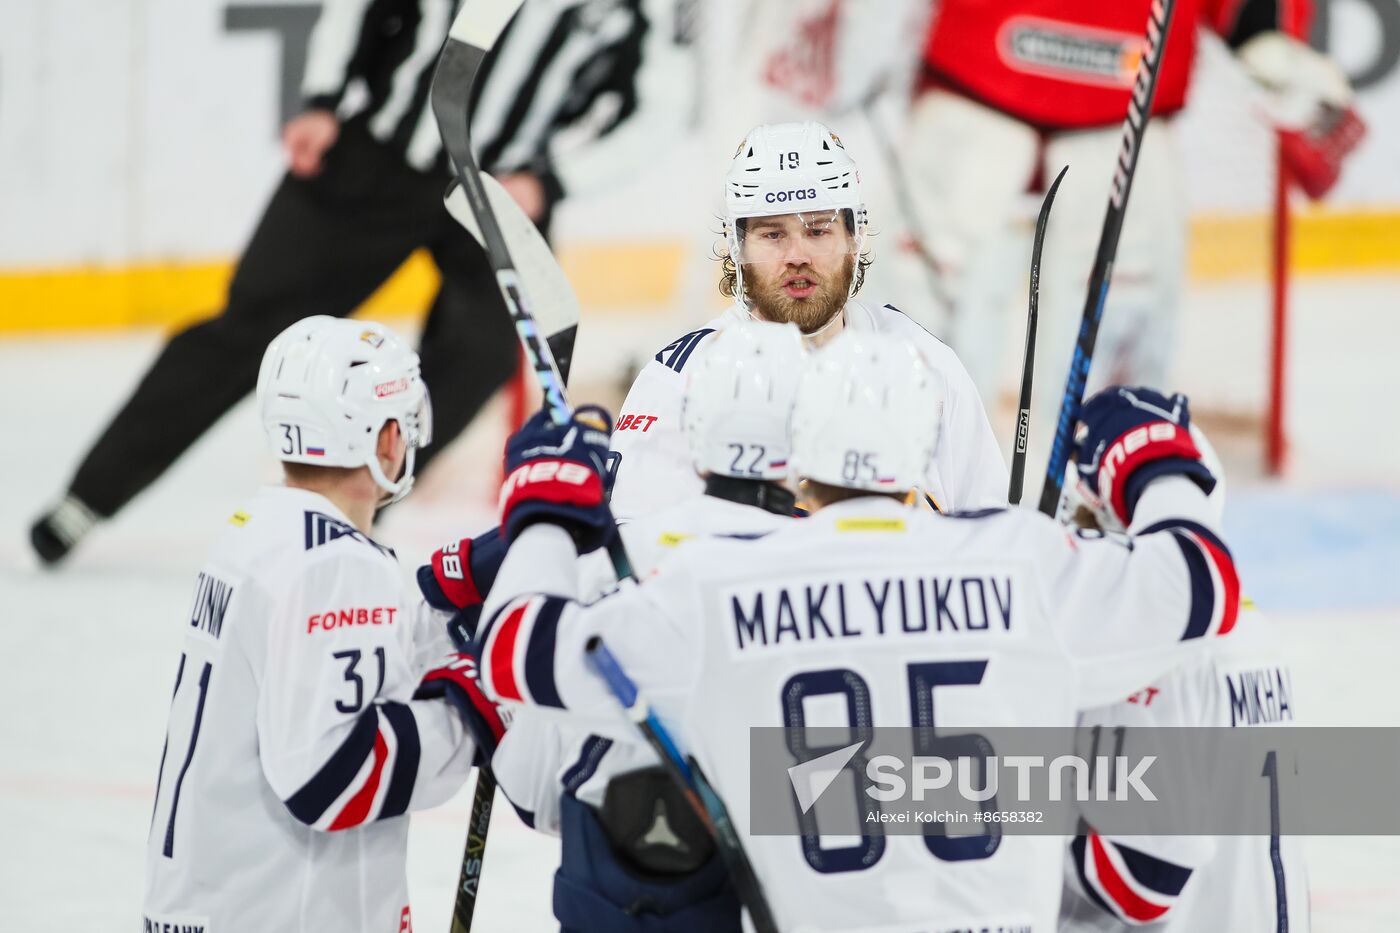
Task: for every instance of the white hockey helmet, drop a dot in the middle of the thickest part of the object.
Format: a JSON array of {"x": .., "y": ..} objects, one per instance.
[
  {"x": 737, "y": 408},
  {"x": 801, "y": 169},
  {"x": 326, "y": 388},
  {"x": 868, "y": 415}
]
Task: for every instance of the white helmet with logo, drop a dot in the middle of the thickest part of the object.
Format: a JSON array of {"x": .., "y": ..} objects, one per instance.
[
  {"x": 738, "y": 401},
  {"x": 868, "y": 414},
  {"x": 326, "y": 388},
  {"x": 791, "y": 168}
]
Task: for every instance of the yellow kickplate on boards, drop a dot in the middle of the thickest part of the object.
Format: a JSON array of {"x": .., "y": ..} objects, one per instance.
[
  {"x": 870, "y": 524},
  {"x": 239, "y": 518}
]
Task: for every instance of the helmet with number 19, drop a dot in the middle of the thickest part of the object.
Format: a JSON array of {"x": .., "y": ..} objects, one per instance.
[
  {"x": 867, "y": 415},
  {"x": 326, "y": 388},
  {"x": 794, "y": 223}
]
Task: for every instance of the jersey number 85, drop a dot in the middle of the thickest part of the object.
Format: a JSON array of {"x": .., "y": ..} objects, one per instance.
[{"x": 923, "y": 678}]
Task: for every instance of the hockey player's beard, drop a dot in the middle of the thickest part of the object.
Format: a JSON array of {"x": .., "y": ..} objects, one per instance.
[{"x": 810, "y": 314}]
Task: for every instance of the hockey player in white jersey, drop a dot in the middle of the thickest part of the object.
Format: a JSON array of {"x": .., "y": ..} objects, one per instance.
[
  {"x": 795, "y": 225},
  {"x": 731, "y": 634},
  {"x": 1181, "y": 884},
  {"x": 633, "y": 853},
  {"x": 295, "y": 743}
]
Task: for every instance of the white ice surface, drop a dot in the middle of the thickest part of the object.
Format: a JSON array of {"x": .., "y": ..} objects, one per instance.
[{"x": 87, "y": 658}]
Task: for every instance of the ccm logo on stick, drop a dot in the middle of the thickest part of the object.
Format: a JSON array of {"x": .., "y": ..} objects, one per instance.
[{"x": 641, "y": 423}]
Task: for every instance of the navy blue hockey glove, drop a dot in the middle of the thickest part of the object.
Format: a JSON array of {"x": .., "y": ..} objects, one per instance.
[
  {"x": 555, "y": 474},
  {"x": 1128, "y": 436},
  {"x": 456, "y": 681},
  {"x": 457, "y": 578}
]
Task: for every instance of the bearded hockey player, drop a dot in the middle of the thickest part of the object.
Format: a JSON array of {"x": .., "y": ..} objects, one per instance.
[
  {"x": 633, "y": 853},
  {"x": 1180, "y": 884},
  {"x": 295, "y": 743},
  {"x": 1078, "y": 621},
  {"x": 795, "y": 225}
]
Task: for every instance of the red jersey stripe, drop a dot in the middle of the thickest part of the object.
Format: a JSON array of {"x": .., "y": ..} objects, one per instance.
[
  {"x": 356, "y": 810},
  {"x": 1117, "y": 890},
  {"x": 503, "y": 680}
]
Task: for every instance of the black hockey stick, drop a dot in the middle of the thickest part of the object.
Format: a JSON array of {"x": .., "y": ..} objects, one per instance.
[
  {"x": 1134, "y": 126},
  {"x": 1023, "y": 411},
  {"x": 483, "y": 801},
  {"x": 693, "y": 784},
  {"x": 475, "y": 31}
]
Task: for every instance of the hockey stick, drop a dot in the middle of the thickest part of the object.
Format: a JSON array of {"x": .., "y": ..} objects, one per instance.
[
  {"x": 483, "y": 801},
  {"x": 686, "y": 774},
  {"x": 557, "y": 308},
  {"x": 1023, "y": 414},
  {"x": 474, "y": 32},
  {"x": 1134, "y": 126}
]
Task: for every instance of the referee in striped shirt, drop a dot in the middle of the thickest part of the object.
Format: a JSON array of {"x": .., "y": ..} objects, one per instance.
[{"x": 364, "y": 186}]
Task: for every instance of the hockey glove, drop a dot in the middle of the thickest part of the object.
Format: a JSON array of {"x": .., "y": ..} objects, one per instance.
[
  {"x": 457, "y": 578},
  {"x": 555, "y": 474},
  {"x": 1310, "y": 102},
  {"x": 456, "y": 681},
  {"x": 1127, "y": 437}
]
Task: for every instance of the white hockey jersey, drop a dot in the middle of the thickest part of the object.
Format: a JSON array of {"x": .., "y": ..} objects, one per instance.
[
  {"x": 1039, "y": 623},
  {"x": 652, "y": 467},
  {"x": 1182, "y": 884},
  {"x": 544, "y": 754},
  {"x": 294, "y": 748}
]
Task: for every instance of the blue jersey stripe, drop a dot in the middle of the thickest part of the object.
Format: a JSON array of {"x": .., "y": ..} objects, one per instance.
[
  {"x": 594, "y": 748},
  {"x": 1156, "y": 874},
  {"x": 405, "y": 773},
  {"x": 539, "y": 654},
  {"x": 315, "y": 797}
]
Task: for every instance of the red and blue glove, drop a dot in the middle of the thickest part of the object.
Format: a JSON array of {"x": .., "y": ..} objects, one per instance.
[
  {"x": 457, "y": 578},
  {"x": 456, "y": 681},
  {"x": 555, "y": 474},
  {"x": 1129, "y": 436}
]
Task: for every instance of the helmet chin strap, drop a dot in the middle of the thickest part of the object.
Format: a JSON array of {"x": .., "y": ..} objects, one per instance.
[{"x": 393, "y": 491}]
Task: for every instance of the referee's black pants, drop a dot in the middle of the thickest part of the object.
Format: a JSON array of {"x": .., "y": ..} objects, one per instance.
[{"x": 324, "y": 244}]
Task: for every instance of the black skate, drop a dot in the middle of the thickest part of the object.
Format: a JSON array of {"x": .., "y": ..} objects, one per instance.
[{"x": 55, "y": 533}]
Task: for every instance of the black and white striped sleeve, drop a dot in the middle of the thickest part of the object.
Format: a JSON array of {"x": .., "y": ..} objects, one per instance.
[
  {"x": 643, "y": 97},
  {"x": 335, "y": 52}
]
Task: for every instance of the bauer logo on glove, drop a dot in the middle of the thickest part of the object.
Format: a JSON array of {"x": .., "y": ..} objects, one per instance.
[
  {"x": 1128, "y": 437},
  {"x": 554, "y": 473}
]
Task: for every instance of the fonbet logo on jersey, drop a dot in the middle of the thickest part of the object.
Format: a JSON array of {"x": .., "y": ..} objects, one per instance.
[{"x": 897, "y": 779}]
